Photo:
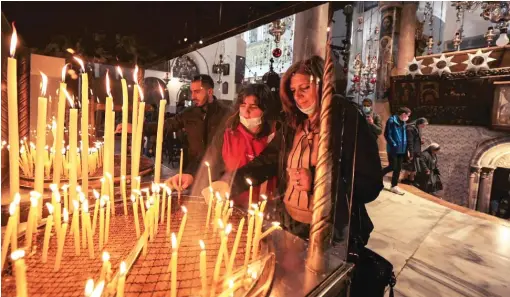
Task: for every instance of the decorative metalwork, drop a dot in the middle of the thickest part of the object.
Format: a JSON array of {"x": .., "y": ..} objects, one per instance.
[
  {"x": 442, "y": 64},
  {"x": 489, "y": 36},
  {"x": 478, "y": 61},
  {"x": 457, "y": 40},
  {"x": 277, "y": 29},
  {"x": 414, "y": 67},
  {"x": 184, "y": 68},
  {"x": 430, "y": 44},
  {"x": 497, "y": 12},
  {"x": 365, "y": 75}
]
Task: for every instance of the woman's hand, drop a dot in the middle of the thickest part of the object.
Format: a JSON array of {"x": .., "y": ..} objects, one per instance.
[
  {"x": 300, "y": 178},
  {"x": 173, "y": 182}
]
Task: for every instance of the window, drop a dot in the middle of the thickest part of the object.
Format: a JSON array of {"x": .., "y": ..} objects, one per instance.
[{"x": 253, "y": 35}]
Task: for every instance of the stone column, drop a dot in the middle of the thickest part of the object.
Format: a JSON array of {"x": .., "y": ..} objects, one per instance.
[
  {"x": 474, "y": 183},
  {"x": 310, "y": 32},
  {"x": 396, "y": 48},
  {"x": 484, "y": 193}
]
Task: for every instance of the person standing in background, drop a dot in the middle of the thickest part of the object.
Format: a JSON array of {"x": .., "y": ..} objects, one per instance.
[
  {"x": 373, "y": 119},
  {"x": 414, "y": 142},
  {"x": 396, "y": 147}
]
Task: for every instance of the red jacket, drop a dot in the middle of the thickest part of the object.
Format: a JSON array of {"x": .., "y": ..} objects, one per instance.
[{"x": 239, "y": 148}]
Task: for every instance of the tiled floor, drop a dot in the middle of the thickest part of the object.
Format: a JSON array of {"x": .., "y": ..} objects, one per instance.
[{"x": 438, "y": 250}]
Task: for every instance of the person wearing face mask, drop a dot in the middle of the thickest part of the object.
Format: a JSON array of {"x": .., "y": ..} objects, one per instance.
[
  {"x": 200, "y": 122},
  {"x": 396, "y": 147},
  {"x": 373, "y": 119}
]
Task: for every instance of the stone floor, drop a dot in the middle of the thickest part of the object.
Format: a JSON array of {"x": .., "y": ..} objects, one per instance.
[{"x": 439, "y": 249}]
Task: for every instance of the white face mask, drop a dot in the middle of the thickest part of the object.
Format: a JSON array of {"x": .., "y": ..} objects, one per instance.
[
  {"x": 251, "y": 122},
  {"x": 309, "y": 110}
]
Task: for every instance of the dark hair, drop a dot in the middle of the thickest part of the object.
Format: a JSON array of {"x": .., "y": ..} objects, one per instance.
[
  {"x": 402, "y": 110},
  {"x": 421, "y": 121},
  {"x": 366, "y": 100},
  {"x": 205, "y": 79},
  {"x": 313, "y": 67},
  {"x": 264, "y": 101}
]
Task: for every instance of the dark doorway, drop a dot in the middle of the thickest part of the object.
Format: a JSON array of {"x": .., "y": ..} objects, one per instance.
[{"x": 500, "y": 193}]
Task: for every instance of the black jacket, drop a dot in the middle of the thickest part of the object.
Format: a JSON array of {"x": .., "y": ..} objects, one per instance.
[
  {"x": 413, "y": 139},
  {"x": 200, "y": 124},
  {"x": 367, "y": 177}
]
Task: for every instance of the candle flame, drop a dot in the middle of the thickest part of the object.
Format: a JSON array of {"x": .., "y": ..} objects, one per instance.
[
  {"x": 102, "y": 202},
  {"x": 206, "y": 163},
  {"x": 76, "y": 204},
  {"x": 108, "y": 91},
  {"x": 140, "y": 92},
  {"x": 264, "y": 197},
  {"x": 12, "y": 208},
  {"x": 80, "y": 61},
  {"x": 220, "y": 224},
  {"x": 106, "y": 256},
  {"x": 228, "y": 229},
  {"x": 96, "y": 193},
  {"x": 50, "y": 207},
  {"x": 44, "y": 83},
  {"x": 147, "y": 204},
  {"x": 218, "y": 196},
  {"x": 64, "y": 71},
  {"x": 17, "y": 254},
  {"x": 53, "y": 187},
  {"x": 261, "y": 215},
  {"x": 98, "y": 290},
  {"x": 249, "y": 182},
  {"x": 33, "y": 201},
  {"x": 174, "y": 241},
  {"x": 255, "y": 206},
  {"x": 211, "y": 190},
  {"x": 123, "y": 267},
  {"x": 202, "y": 244},
  {"x": 276, "y": 224},
  {"x": 155, "y": 188},
  {"x": 133, "y": 198},
  {"x": 254, "y": 275},
  {"x": 14, "y": 40},
  {"x": 123, "y": 177},
  {"x": 135, "y": 75},
  {"x": 231, "y": 284},
  {"x": 71, "y": 101},
  {"x": 64, "y": 187},
  {"x": 85, "y": 206},
  {"x": 17, "y": 198},
  {"x": 231, "y": 203},
  {"x": 119, "y": 70},
  {"x": 78, "y": 189},
  {"x": 251, "y": 212},
  {"x": 66, "y": 216},
  {"x": 227, "y": 195},
  {"x": 184, "y": 209},
  {"x": 161, "y": 92},
  {"x": 89, "y": 287}
]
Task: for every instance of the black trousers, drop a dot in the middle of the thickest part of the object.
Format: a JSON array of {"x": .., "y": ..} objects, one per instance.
[{"x": 395, "y": 164}]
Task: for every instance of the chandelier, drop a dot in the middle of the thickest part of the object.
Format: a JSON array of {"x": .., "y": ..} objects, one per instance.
[
  {"x": 365, "y": 75},
  {"x": 497, "y": 12}
]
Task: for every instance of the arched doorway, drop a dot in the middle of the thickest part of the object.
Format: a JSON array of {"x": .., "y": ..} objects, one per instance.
[
  {"x": 152, "y": 96},
  {"x": 491, "y": 155},
  {"x": 183, "y": 98}
]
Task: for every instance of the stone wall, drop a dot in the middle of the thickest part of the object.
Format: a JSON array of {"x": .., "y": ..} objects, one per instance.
[{"x": 458, "y": 143}]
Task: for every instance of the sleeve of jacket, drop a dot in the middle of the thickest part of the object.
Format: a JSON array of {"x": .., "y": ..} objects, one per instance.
[
  {"x": 377, "y": 126},
  {"x": 410, "y": 138},
  {"x": 390, "y": 126},
  {"x": 171, "y": 125},
  {"x": 423, "y": 161},
  {"x": 260, "y": 169}
]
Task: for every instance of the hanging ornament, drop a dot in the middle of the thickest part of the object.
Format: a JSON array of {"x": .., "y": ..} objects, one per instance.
[
  {"x": 442, "y": 64},
  {"x": 478, "y": 61},
  {"x": 489, "y": 36},
  {"x": 430, "y": 44},
  {"x": 277, "y": 53},
  {"x": 457, "y": 40},
  {"x": 414, "y": 67}
]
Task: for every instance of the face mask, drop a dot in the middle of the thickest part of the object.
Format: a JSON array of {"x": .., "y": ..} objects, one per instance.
[
  {"x": 309, "y": 110},
  {"x": 250, "y": 123},
  {"x": 367, "y": 109}
]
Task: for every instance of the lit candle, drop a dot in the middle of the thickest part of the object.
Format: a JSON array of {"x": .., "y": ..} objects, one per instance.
[
  {"x": 155, "y": 192},
  {"x": 168, "y": 211},
  {"x": 57, "y": 161},
  {"x": 21, "y": 273},
  {"x": 122, "y": 279},
  {"x": 66, "y": 197},
  {"x": 8, "y": 231},
  {"x": 173, "y": 262},
  {"x": 96, "y": 207},
  {"x": 55, "y": 195},
  {"x": 73, "y": 152},
  {"x": 259, "y": 218},
  {"x": 47, "y": 233},
  {"x": 209, "y": 173},
  {"x": 83, "y": 223},
  {"x": 142, "y": 205},
  {"x": 181, "y": 160},
  {"x": 61, "y": 240},
  {"x": 264, "y": 202},
  {"x": 203, "y": 267},
  {"x": 32, "y": 219},
  {"x": 87, "y": 228},
  {"x": 123, "y": 190},
  {"x": 276, "y": 226},
  {"x": 89, "y": 287},
  {"x": 135, "y": 156},
  {"x": 249, "y": 237},
  {"x": 106, "y": 269},
  {"x": 84, "y": 127},
  {"x": 75, "y": 226},
  {"x": 135, "y": 214},
  {"x": 149, "y": 220},
  {"x": 107, "y": 224},
  {"x": 111, "y": 192},
  {"x": 124, "y": 135},
  {"x": 101, "y": 223},
  {"x": 217, "y": 210},
  {"x": 108, "y": 149},
  {"x": 40, "y": 142},
  {"x": 159, "y": 137},
  {"x": 251, "y": 191},
  {"x": 134, "y": 117},
  {"x": 12, "y": 106},
  {"x": 219, "y": 259},
  {"x": 209, "y": 208},
  {"x": 163, "y": 203},
  {"x": 146, "y": 230},
  {"x": 183, "y": 224},
  {"x": 234, "y": 248}
]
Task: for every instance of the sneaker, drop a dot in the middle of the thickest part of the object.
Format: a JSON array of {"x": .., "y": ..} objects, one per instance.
[{"x": 396, "y": 190}]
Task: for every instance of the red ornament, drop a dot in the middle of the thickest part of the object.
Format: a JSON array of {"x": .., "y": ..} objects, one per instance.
[
  {"x": 277, "y": 53},
  {"x": 373, "y": 80},
  {"x": 356, "y": 79}
]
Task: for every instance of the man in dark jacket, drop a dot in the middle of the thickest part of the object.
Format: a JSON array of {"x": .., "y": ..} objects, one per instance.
[
  {"x": 414, "y": 142},
  {"x": 396, "y": 138},
  {"x": 200, "y": 122},
  {"x": 373, "y": 119}
]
